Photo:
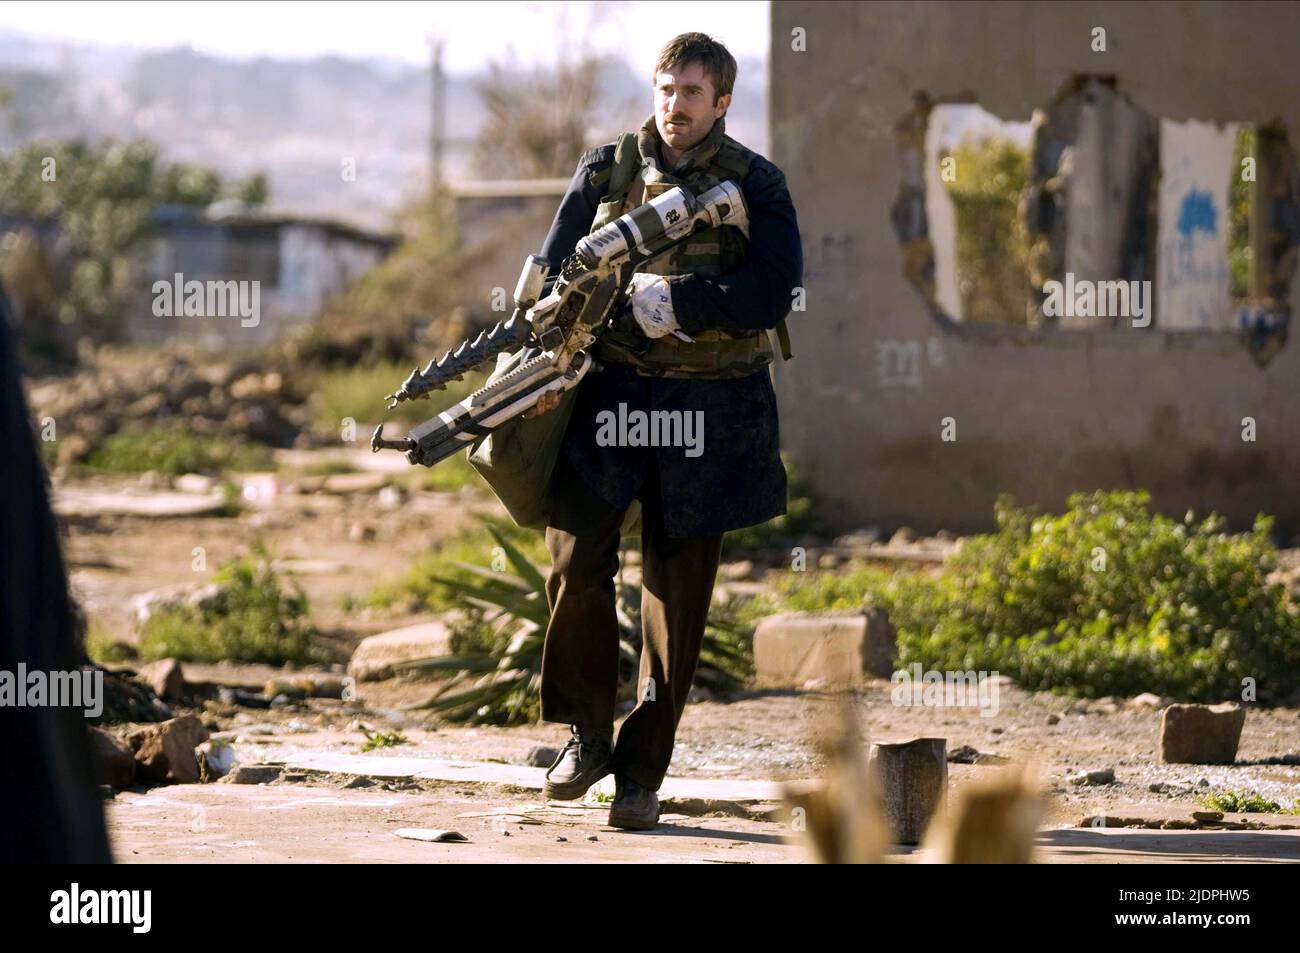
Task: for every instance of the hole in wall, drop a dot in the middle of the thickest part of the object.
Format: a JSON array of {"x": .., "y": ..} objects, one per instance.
[{"x": 1095, "y": 215}]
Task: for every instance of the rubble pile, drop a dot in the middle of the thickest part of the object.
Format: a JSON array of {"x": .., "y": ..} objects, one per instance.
[{"x": 244, "y": 400}]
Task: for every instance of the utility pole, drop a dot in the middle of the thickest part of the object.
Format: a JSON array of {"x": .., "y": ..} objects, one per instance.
[{"x": 438, "y": 112}]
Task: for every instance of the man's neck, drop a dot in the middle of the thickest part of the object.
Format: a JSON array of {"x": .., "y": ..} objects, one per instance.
[
  {"x": 672, "y": 158},
  {"x": 670, "y": 155}
]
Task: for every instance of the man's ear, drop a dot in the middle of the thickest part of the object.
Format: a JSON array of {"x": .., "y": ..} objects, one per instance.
[{"x": 723, "y": 103}]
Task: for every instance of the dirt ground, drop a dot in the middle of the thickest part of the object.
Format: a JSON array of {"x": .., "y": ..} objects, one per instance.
[{"x": 348, "y": 543}]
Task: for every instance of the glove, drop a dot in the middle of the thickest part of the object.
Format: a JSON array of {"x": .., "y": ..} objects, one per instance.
[{"x": 652, "y": 305}]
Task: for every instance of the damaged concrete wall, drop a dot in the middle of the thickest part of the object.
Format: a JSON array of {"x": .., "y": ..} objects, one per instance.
[{"x": 1037, "y": 414}]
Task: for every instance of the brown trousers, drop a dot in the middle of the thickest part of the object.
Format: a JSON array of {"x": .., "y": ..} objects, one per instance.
[{"x": 580, "y": 656}]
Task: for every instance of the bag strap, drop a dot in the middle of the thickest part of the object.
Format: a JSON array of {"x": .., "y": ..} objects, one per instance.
[
  {"x": 618, "y": 177},
  {"x": 783, "y": 338}
]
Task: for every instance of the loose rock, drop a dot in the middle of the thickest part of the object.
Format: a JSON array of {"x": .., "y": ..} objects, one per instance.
[
  {"x": 165, "y": 677},
  {"x": 114, "y": 762},
  {"x": 254, "y": 774},
  {"x": 1201, "y": 734},
  {"x": 166, "y": 751}
]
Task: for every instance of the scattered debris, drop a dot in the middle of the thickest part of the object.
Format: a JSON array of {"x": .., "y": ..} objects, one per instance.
[
  {"x": 542, "y": 756},
  {"x": 114, "y": 761},
  {"x": 965, "y": 754},
  {"x": 1090, "y": 778},
  {"x": 431, "y": 835},
  {"x": 129, "y": 700},
  {"x": 165, "y": 677},
  {"x": 216, "y": 759},
  {"x": 165, "y": 751},
  {"x": 309, "y": 685},
  {"x": 253, "y": 774},
  {"x": 238, "y": 696},
  {"x": 1146, "y": 700}
]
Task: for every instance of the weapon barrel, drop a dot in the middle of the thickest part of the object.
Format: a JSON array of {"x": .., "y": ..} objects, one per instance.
[
  {"x": 482, "y": 411},
  {"x": 453, "y": 365}
]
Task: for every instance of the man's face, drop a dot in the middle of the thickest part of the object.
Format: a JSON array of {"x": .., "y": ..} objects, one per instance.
[{"x": 684, "y": 108}]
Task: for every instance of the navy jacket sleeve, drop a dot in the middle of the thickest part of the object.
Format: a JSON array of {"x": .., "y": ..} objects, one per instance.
[
  {"x": 759, "y": 293},
  {"x": 577, "y": 209}
]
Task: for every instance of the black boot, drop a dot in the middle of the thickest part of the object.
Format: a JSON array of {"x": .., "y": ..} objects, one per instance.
[
  {"x": 635, "y": 808},
  {"x": 583, "y": 762}
]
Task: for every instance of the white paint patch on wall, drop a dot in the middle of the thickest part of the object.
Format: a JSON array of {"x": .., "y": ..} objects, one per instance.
[
  {"x": 1192, "y": 281},
  {"x": 941, "y": 216}
]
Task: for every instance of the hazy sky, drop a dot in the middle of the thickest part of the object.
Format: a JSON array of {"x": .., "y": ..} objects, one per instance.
[{"x": 473, "y": 30}]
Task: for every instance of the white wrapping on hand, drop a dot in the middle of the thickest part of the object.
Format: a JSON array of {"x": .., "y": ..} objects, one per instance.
[{"x": 652, "y": 305}]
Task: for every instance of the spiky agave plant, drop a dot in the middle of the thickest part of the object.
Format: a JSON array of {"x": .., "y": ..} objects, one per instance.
[{"x": 500, "y": 684}]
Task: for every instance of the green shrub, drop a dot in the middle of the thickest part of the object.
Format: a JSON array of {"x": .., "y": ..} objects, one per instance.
[
  {"x": 382, "y": 739},
  {"x": 104, "y": 647},
  {"x": 1241, "y": 802},
  {"x": 832, "y": 591},
  {"x": 250, "y": 619},
  {"x": 1105, "y": 599},
  {"x": 173, "y": 448},
  {"x": 1239, "y": 218},
  {"x": 449, "y": 475},
  {"x": 992, "y": 247},
  {"x": 358, "y": 392}
]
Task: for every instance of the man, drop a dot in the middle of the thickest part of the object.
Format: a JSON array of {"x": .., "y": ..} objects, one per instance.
[{"x": 694, "y": 341}]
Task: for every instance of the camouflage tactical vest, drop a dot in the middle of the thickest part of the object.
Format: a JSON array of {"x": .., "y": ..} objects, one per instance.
[{"x": 636, "y": 178}]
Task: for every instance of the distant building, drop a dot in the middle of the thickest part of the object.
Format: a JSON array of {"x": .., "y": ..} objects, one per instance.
[{"x": 298, "y": 264}]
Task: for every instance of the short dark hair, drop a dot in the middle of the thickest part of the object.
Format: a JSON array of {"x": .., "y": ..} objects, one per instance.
[{"x": 687, "y": 48}]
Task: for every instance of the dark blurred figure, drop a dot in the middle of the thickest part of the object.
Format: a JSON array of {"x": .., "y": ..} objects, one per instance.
[{"x": 50, "y": 811}]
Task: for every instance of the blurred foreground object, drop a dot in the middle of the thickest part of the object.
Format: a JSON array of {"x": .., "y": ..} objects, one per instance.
[
  {"x": 841, "y": 820},
  {"x": 47, "y": 790},
  {"x": 993, "y": 820}
]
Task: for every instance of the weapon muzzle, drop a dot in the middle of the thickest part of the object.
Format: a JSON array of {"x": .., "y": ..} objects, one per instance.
[{"x": 377, "y": 442}]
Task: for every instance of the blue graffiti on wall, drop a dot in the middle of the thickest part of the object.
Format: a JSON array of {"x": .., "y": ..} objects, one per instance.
[{"x": 1197, "y": 212}]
